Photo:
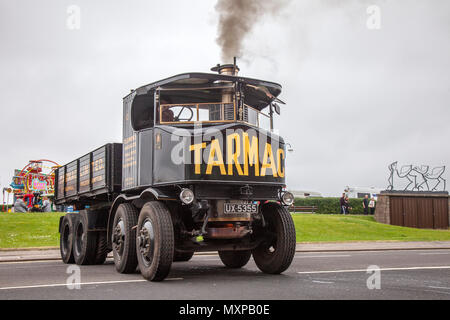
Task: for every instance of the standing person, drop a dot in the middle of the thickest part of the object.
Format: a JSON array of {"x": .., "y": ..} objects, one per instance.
[
  {"x": 347, "y": 205},
  {"x": 366, "y": 204},
  {"x": 19, "y": 205},
  {"x": 372, "y": 205},
  {"x": 342, "y": 203},
  {"x": 46, "y": 207}
]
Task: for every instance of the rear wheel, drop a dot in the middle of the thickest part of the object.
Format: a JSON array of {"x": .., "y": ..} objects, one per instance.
[
  {"x": 66, "y": 239},
  {"x": 124, "y": 238},
  {"x": 102, "y": 248},
  {"x": 179, "y": 256},
  {"x": 85, "y": 242},
  {"x": 155, "y": 241},
  {"x": 235, "y": 259},
  {"x": 274, "y": 255}
]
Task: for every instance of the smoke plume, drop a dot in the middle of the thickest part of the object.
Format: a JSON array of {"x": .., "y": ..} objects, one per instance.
[{"x": 236, "y": 21}]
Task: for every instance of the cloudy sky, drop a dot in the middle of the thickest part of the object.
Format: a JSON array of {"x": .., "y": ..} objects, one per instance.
[{"x": 358, "y": 98}]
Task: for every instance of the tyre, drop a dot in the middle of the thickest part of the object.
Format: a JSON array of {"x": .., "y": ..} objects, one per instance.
[
  {"x": 179, "y": 256},
  {"x": 102, "y": 248},
  {"x": 66, "y": 239},
  {"x": 155, "y": 241},
  {"x": 124, "y": 238},
  {"x": 274, "y": 255},
  {"x": 84, "y": 242},
  {"x": 235, "y": 259}
]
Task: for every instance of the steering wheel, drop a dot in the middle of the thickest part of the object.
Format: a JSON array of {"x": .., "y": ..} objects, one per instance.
[{"x": 177, "y": 117}]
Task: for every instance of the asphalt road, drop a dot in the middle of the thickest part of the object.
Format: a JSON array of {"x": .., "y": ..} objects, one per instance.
[{"x": 405, "y": 274}]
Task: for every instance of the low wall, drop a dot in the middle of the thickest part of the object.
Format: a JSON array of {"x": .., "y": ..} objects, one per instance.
[{"x": 415, "y": 209}]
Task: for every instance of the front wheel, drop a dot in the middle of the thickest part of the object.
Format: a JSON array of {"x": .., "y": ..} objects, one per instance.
[
  {"x": 275, "y": 253},
  {"x": 155, "y": 241}
]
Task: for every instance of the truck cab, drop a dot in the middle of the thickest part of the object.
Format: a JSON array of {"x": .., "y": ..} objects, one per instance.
[{"x": 202, "y": 170}]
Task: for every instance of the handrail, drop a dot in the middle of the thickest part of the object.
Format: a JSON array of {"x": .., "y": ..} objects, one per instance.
[
  {"x": 196, "y": 105},
  {"x": 162, "y": 106}
]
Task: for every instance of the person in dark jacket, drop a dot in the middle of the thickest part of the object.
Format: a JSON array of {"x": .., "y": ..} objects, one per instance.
[
  {"x": 347, "y": 206},
  {"x": 342, "y": 203},
  {"x": 366, "y": 204}
]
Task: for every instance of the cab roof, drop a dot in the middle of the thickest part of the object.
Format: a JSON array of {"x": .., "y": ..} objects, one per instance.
[{"x": 258, "y": 93}]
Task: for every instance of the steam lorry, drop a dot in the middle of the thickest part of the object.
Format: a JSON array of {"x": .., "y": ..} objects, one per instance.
[{"x": 199, "y": 169}]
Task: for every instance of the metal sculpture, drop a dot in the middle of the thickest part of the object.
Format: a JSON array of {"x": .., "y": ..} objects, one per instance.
[{"x": 414, "y": 173}]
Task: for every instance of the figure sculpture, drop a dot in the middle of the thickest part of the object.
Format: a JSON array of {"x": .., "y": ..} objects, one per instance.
[{"x": 411, "y": 174}]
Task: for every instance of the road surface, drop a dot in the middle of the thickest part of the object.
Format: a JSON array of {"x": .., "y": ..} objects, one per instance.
[{"x": 404, "y": 274}]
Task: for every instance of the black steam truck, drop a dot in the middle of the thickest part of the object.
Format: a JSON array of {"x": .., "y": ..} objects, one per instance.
[{"x": 200, "y": 169}]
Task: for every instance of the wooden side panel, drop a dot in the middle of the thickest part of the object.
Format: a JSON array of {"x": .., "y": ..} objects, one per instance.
[
  {"x": 396, "y": 211},
  {"x": 71, "y": 188},
  {"x": 410, "y": 212},
  {"x": 60, "y": 183},
  {"x": 85, "y": 174},
  {"x": 98, "y": 168},
  {"x": 440, "y": 208},
  {"x": 425, "y": 213}
]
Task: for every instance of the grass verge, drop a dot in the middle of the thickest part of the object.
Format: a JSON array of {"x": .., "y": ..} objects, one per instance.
[
  {"x": 331, "y": 228},
  {"x": 24, "y": 230}
]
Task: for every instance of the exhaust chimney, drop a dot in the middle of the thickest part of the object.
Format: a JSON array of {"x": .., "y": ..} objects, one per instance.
[
  {"x": 227, "y": 69},
  {"x": 228, "y": 93}
]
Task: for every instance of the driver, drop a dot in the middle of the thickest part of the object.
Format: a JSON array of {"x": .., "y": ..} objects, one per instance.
[{"x": 167, "y": 115}]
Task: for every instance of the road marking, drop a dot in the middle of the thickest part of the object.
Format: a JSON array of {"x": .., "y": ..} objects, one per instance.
[
  {"x": 325, "y": 256},
  {"x": 25, "y": 262},
  {"x": 326, "y": 282},
  {"x": 382, "y": 269},
  {"x": 439, "y": 287},
  {"x": 435, "y": 291},
  {"x": 83, "y": 283},
  {"x": 432, "y": 253}
]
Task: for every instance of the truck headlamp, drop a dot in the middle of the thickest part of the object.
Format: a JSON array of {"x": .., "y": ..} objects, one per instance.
[
  {"x": 287, "y": 198},
  {"x": 187, "y": 196}
]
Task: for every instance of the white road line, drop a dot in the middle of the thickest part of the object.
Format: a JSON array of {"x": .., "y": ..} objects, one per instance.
[
  {"x": 433, "y": 253},
  {"x": 435, "y": 291},
  {"x": 382, "y": 269},
  {"x": 82, "y": 283},
  {"x": 25, "y": 262},
  {"x": 439, "y": 287},
  {"x": 324, "y": 256},
  {"x": 326, "y": 282}
]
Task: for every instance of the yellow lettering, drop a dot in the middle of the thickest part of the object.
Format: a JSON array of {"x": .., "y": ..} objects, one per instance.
[
  {"x": 233, "y": 156},
  {"x": 268, "y": 154},
  {"x": 280, "y": 153},
  {"x": 215, "y": 149},
  {"x": 197, "y": 148},
  {"x": 251, "y": 154}
]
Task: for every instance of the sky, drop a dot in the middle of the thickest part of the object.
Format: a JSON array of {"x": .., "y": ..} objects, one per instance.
[{"x": 363, "y": 88}]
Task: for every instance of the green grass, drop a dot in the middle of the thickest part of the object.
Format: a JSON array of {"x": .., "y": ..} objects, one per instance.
[
  {"x": 329, "y": 228},
  {"x": 21, "y": 230}
]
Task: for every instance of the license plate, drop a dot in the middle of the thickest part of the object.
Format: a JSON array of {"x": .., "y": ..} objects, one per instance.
[{"x": 233, "y": 208}]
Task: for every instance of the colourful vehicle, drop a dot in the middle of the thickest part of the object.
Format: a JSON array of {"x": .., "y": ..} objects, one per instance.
[{"x": 34, "y": 185}]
